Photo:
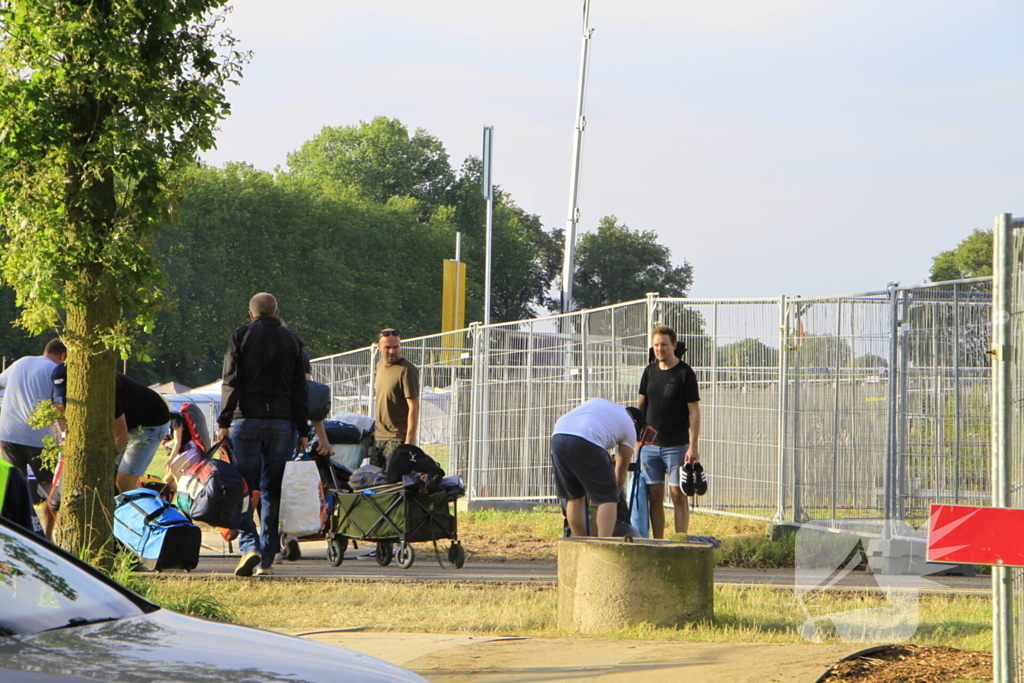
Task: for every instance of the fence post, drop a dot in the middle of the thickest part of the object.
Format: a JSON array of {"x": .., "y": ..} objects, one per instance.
[
  {"x": 653, "y": 312},
  {"x": 1002, "y": 358},
  {"x": 780, "y": 511},
  {"x": 890, "y": 415},
  {"x": 957, "y": 419},
  {"x": 584, "y": 364},
  {"x": 474, "y": 410},
  {"x": 372, "y": 372}
]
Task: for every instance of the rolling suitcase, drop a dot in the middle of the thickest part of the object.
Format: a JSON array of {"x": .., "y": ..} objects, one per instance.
[{"x": 160, "y": 534}]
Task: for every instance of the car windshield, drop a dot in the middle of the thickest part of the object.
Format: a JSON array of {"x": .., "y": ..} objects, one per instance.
[{"x": 40, "y": 589}]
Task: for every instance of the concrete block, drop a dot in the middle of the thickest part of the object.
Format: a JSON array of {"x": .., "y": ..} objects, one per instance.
[{"x": 609, "y": 584}]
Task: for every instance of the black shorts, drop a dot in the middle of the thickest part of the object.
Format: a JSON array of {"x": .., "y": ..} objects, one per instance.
[
  {"x": 583, "y": 468},
  {"x": 21, "y": 457}
]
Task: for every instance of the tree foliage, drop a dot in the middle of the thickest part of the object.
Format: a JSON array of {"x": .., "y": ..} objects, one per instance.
[
  {"x": 617, "y": 263},
  {"x": 971, "y": 258},
  {"x": 99, "y": 102},
  {"x": 379, "y": 159}
]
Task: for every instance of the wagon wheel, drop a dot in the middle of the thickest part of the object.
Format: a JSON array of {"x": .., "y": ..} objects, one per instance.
[
  {"x": 336, "y": 550},
  {"x": 406, "y": 556},
  {"x": 457, "y": 555},
  {"x": 384, "y": 553}
]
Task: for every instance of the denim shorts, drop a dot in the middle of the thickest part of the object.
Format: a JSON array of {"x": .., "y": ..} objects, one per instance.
[
  {"x": 657, "y": 461},
  {"x": 142, "y": 445}
]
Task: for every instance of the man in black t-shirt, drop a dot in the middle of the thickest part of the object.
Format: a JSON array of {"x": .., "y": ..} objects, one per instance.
[
  {"x": 670, "y": 400},
  {"x": 140, "y": 424},
  {"x": 141, "y": 419}
]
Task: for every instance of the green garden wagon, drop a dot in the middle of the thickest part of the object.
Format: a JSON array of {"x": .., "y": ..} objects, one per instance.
[{"x": 395, "y": 516}]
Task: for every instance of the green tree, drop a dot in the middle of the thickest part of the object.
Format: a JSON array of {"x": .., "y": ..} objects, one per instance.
[
  {"x": 617, "y": 263},
  {"x": 823, "y": 351},
  {"x": 870, "y": 360},
  {"x": 99, "y": 102},
  {"x": 379, "y": 159},
  {"x": 341, "y": 266},
  {"x": 525, "y": 257},
  {"x": 971, "y": 258}
]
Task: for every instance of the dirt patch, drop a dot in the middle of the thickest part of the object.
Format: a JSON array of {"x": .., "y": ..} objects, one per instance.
[
  {"x": 482, "y": 547},
  {"x": 913, "y": 664}
]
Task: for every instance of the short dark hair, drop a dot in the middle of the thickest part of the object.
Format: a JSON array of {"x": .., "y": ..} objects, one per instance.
[
  {"x": 55, "y": 347},
  {"x": 641, "y": 420},
  {"x": 665, "y": 330}
]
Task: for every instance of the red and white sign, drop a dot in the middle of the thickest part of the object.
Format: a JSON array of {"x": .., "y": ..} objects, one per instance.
[{"x": 963, "y": 534}]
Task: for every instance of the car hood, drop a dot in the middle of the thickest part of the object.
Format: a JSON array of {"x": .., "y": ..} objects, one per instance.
[{"x": 165, "y": 646}]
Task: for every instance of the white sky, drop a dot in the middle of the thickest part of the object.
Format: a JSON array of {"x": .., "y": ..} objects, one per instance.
[{"x": 780, "y": 146}]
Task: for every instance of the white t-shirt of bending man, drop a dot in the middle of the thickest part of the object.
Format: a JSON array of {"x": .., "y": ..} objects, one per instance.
[{"x": 600, "y": 422}]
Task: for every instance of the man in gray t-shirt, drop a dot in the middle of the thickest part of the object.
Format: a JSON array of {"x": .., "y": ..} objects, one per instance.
[{"x": 26, "y": 383}]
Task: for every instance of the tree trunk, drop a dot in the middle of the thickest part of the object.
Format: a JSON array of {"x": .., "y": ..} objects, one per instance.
[{"x": 85, "y": 522}]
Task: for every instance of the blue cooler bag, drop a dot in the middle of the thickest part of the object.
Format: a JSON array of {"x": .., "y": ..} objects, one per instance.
[{"x": 159, "y": 533}]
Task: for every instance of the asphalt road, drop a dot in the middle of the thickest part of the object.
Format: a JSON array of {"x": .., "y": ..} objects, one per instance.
[{"x": 216, "y": 562}]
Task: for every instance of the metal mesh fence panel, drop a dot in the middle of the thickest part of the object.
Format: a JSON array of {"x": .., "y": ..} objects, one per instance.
[
  {"x": 856, "y": 407},
  {"x": 944, "y": 398},
  {"x": 835, "y": 408},
  {"x": 733, "y": 347}
]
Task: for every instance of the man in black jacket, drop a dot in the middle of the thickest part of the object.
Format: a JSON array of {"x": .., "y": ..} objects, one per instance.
[{"x": 263, "y": 409}]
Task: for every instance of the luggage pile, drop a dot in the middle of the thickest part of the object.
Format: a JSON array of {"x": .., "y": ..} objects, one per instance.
[
  {"x": 160, "y": 528},
  {"x": 410, "y": 501}
]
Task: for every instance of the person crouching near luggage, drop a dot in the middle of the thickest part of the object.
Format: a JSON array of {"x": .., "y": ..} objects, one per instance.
[
  {"x": 141, "y": 419},
  {"x": 580, "y": 444}
]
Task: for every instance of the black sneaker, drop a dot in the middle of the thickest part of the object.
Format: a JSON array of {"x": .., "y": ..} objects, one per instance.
[
  {"x": 687, "y": 482},
  {"x": 701, "y": 483}
]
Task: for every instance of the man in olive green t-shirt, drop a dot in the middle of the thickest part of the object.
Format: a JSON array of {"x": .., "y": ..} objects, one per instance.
[{"x": 397, "y": 385}]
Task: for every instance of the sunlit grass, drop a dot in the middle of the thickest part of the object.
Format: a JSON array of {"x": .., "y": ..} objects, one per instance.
[{"x": 742, "y": 614}]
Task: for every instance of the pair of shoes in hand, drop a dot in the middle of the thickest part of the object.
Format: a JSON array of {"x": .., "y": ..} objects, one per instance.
[{"x": 694, "y": 481}]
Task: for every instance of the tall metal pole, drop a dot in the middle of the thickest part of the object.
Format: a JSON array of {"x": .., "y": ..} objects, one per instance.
[
  {"x": 1002, "y": 377},
  {"x": 572, "y": 223},
  {"x": 488, "y": 189}
]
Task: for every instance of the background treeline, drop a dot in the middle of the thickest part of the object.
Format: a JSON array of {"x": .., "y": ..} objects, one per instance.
[{"x": 350, "y": 238}]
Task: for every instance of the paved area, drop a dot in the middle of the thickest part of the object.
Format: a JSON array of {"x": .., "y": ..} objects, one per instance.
[{"x": 477, "y": 659}]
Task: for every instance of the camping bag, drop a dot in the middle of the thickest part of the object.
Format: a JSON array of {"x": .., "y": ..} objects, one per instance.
[
  {"x": 302, "y": 499},
  {"x": 156, "y": 531},
  {"x": 349, "y": 446},
  {"x": 406, "y": 459},
  {"x": 342, "y": 432},
  {"x": 319, "y": 399},
  {"x": 366, "y": 477},
  {"x": 213, "y": 491}
]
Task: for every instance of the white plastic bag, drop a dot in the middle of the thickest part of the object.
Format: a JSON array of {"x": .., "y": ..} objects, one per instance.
[{"x": 302, "y": 499}]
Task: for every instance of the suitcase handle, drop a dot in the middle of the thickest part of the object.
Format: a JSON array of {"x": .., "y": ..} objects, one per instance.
[{"x": 150, "y": 516}]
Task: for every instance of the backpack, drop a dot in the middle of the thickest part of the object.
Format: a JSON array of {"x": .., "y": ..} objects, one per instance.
[
  {"x": 406, "y": 459},
  {"x": 213, "y": 491},
  {"x": 319, "y": 399}
]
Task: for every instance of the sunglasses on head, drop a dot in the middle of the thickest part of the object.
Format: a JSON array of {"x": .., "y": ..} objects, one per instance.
[{"x": 389, "y": 333}]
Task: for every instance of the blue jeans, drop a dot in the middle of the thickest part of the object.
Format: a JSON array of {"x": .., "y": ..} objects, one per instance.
[
  {"x": 261, "y": 447},
  {"x": 143, "y": 443}
]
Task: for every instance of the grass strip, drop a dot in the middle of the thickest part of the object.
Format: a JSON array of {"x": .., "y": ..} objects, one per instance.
[{"x": 742, "y": 614}]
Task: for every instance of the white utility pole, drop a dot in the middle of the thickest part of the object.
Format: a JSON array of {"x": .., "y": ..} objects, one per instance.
[
  {"x": 572, "y": 224},
  {"x": 488, "y": 188}
]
